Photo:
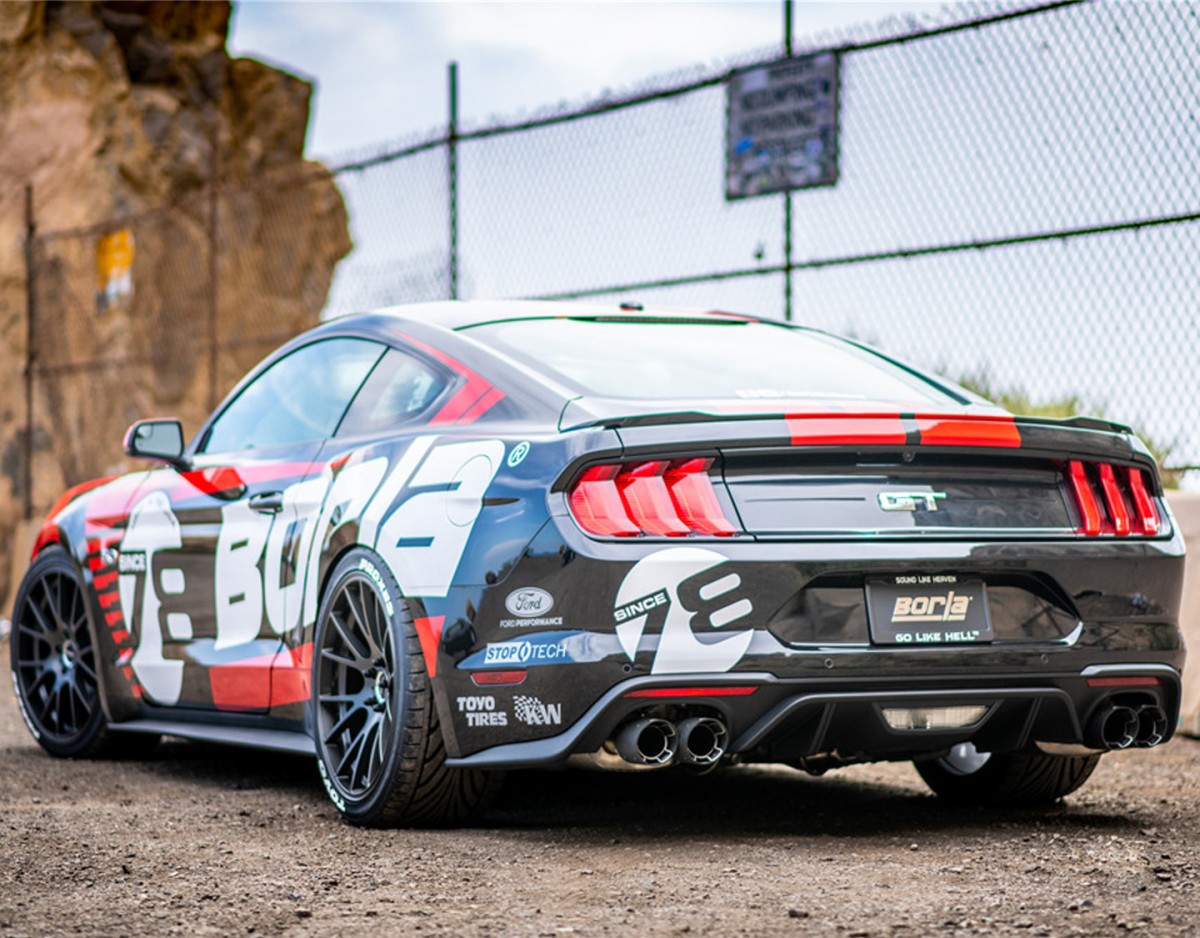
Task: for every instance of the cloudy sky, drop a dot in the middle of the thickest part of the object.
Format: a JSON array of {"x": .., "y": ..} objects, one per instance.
[{"x": 380, "y": 67}]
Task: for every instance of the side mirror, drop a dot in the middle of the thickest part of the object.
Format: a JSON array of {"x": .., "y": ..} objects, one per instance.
[{"x": 157, "y": 439}]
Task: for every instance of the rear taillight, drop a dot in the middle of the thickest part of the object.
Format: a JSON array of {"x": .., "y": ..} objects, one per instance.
[
  {"x": 1111, "y": 500},
  {"x": 660, "y": 498}
]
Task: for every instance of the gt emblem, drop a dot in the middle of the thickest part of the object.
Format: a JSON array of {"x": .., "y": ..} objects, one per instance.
[{"x": 909, "y": 501}]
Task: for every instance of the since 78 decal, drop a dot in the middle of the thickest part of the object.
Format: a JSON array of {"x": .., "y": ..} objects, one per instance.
[{"x": 681, "y": 596}]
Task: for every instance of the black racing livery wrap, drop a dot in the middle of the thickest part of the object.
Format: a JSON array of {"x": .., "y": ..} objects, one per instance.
[{"x": 519, "y": 523}]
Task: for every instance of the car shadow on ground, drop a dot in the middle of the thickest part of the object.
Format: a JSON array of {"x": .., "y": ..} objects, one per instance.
[
  {"x": 668, "y": 803},
  {"x": 755, "y": 801}
]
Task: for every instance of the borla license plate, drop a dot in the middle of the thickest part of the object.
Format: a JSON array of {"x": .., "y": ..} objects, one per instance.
[{"x": 928, "y": 610}]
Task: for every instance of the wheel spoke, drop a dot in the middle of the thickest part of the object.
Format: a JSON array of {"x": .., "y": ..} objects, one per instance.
[
  {"x": 41, "y": 619},
  {"x": 87, "y": 670},
  {"x": 36, "y": 634},
  {"x": 344, "y": 662},
  {"x": 342, "y": 723},
  {"x": 359, "y": 614},
  {"x": 355, "y": 746},
  {"x": 55, "y": 603},
  {"x": 361, "y": 660},
  {"x": 363, "y": 750},
  {"x": 51, "y": 693}
]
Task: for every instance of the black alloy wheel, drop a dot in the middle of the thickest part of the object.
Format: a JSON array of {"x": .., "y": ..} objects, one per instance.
[
  {"x": 54, "y": 659},
  {"x": 356, "y": 687},
  {"x": 380, "y": 751}
]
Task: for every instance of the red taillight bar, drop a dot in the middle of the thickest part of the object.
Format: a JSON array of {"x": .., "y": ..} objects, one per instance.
[
  {"x": 1147, "y": 516},
  {"x": 596, "y": 503},
  {"x": 1085, "y": 498},
  {"x": 659, "y": 498},
  {"x": 1120, "y": 489},
  {"x": 647, "y": 501},
  {"x": 1117, "y": 512},
  {"x": 695, "y": 498}
]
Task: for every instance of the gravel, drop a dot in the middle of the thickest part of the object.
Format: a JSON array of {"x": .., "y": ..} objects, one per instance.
[{"x": 198, "y": 840}]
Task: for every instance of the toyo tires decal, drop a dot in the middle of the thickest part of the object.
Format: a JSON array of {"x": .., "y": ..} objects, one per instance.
[{"x": 688, "y": 595}]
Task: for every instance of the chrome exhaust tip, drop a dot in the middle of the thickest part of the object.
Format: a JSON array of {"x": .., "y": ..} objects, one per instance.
[
  {"x": 648, "y": 741},
  {"x": 1152, "y": 727},
  {"x": 702, "y": 740},
  {"x": 1113, "y": 727}
]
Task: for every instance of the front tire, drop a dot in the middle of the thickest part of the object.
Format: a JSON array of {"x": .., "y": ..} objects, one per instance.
[
  {"x": 54, "y": 660},
  {"x": 379, "y": 743},
  {"x": 1015, "y": 779}
]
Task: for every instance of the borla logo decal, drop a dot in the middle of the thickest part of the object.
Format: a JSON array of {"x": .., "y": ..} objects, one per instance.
[{"x": 683, "y": 592}]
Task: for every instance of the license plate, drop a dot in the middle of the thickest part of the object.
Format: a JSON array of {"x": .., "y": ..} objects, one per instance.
[{"x": 928, "y": 610}]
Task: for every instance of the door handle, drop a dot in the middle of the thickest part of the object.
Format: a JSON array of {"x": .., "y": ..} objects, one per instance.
[{"x": 269, "y": 503}]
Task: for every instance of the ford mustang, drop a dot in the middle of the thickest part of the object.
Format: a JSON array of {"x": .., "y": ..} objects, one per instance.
[{"x": 431, "y": 543}]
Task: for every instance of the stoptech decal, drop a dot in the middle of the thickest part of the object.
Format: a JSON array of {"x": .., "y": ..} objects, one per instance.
[
  {"x": 683, "y": 593},
  {"x": 544, "y": 648}
]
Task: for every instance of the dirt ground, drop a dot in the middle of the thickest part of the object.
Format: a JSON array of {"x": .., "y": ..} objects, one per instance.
[{"x": 201, "y": 840}]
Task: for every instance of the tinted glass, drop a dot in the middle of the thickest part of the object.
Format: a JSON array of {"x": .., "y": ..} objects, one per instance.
[
  {"x": 680, "y": 360},
  {"x": 399, "y": 390},
  {"x": 300, "y": 397}
]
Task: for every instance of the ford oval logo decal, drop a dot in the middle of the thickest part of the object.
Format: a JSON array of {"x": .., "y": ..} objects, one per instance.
[{"x": 529, "y": 602}]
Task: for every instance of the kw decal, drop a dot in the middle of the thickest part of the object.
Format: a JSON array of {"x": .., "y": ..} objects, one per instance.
[{"x": 683, "y": 593}]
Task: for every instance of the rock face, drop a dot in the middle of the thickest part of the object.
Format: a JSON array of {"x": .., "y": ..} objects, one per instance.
[{"x": 119, "y": 114}]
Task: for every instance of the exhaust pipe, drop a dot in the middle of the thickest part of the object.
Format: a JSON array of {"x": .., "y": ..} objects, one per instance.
[
  {"x": 1113, "y": 728},
  {"x": 647, "y": 742},
  {"x": 702, "y": 740},
  {"x": 1152, "y": 727}
]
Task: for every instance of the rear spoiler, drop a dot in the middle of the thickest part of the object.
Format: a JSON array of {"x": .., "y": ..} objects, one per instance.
[{"x": 851, "y": 425}]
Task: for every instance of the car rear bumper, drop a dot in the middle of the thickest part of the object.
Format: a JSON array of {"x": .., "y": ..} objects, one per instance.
[{"x": 842, "y": 719}]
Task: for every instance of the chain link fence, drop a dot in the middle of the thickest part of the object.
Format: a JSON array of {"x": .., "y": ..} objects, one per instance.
[{"x": 1018, "y": 203}]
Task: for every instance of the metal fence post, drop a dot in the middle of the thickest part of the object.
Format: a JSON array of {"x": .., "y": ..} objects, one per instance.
[
  {"x": 30, "y": 351},
  {"x": 213, "y": 271},
  {"x": 452, "y": 154},
  {"x": 787, "y": 196}
]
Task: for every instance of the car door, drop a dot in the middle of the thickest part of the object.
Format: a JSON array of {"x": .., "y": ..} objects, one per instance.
[{"x": 210, "y": 567}]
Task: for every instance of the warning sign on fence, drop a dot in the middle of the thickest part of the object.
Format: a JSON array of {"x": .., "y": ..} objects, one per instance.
[
  {"x": 782, "y": 130},
  {"x": 114, "y": 270}
]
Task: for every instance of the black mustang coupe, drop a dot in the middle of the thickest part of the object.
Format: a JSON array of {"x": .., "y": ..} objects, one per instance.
[{"x": 431, "y": 543}]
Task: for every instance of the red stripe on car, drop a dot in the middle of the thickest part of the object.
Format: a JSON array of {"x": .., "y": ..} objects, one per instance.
[
  {"x": 967, "y": 431},
  {"x": 842, "y": 429},
  {"x": 472, "y": 400},
  {"x": 429, "y": 631},
  {"x": 263, "y": 681}
]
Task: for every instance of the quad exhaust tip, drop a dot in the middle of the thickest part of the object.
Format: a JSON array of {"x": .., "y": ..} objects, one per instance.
[
  {"x": 702, "y": 740},
  {"x": 699, "y": 741},
  {"x": 1118, "y": 727},
  {"x": 1152, "y": 727},
  {"x": 648, "y": 741}
]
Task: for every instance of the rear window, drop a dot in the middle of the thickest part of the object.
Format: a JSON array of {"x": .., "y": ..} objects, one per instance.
[{"x": 670, "y": 360}]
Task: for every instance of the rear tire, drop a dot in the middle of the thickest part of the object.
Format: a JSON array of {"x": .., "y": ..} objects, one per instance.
[
  {"x": 1014, "y": 779},
  {"x": 380, "y": 751}
]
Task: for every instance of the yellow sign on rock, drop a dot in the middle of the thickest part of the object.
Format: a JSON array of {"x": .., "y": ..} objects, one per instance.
[{"x": 114, "y": 270}]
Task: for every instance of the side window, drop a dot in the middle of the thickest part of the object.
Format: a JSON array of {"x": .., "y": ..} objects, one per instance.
[
  {"x": 300, "y": 397},
  {"x": 399, "y": 390}
]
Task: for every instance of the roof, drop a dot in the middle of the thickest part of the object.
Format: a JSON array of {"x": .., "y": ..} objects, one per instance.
[{"x": 462, "y": 314}]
